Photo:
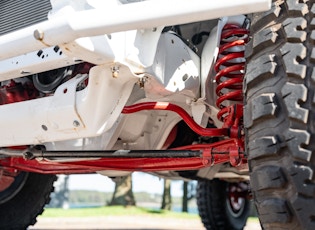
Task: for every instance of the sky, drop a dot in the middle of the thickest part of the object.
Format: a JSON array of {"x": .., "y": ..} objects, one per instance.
[{"x": 142, "y": 182}]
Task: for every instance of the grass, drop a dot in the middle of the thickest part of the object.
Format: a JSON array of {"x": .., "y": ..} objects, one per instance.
[
  {"x": 119, "y": 211},
  {"x": 114, "y": 211},
  {"x": 252, "y": 219}
]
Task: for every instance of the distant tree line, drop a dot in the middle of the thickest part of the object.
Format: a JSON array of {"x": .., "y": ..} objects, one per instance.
[{"x": 122, "y": 195}]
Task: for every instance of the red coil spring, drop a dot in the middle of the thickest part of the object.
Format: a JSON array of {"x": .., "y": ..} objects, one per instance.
[{"x": 230, "y": 67}]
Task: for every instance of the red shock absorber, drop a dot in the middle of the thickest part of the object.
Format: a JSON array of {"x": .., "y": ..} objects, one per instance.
[{"x": 230, "y": 67}]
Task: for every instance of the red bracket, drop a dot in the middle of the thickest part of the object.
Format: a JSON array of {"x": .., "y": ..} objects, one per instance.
[{"x": 229, "y": 150}]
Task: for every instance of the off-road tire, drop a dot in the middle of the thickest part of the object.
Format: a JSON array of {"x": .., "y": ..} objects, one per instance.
[
  {"x": 214, "y": 210},
  {"x": 27, "y": 202},
  {"x": 280, "y": 114}
]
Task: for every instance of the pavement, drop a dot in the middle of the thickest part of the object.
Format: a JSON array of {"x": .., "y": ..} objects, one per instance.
[{"x": 124, "y": 223}]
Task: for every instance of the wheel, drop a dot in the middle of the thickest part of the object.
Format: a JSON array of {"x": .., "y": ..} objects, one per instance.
[
  {"x": 279, "y": 114},
  {"x": 223, "y": 205},
  {"x": 22, "y": 197}
]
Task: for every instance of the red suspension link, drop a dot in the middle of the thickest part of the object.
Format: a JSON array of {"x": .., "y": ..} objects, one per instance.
[{"x": 175, "y": 108}]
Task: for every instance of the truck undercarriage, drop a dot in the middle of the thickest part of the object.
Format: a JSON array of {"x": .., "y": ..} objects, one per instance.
[{"x": 181, "y": 89}]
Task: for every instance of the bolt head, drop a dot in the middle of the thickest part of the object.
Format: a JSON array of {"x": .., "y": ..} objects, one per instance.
[
  {"x": 76, "y": 123},
  {"x": 38, "y": 35}
]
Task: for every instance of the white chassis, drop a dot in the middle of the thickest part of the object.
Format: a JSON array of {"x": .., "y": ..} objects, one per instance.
[{"x": 124, "y": 40}]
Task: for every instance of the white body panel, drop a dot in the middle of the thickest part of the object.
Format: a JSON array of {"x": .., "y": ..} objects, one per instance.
[
  {"x": 107, "y": 20},
  {"x": 68, "y": 114}
]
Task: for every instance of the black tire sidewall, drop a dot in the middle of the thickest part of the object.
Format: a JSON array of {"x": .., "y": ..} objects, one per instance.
[
  {"x": 22, "y": 209},
  {"x": 212, "y": 196}
]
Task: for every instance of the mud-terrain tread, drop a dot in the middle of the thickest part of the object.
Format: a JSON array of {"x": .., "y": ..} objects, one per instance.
[
  {"x": 21, "y": 211},
  {"x": 269, "y": 16},
  {"x": 274, "y": 210},
  {"x": 211, "y": 201},
  {"x": 264, "y": 147},
  {"x": 292, "y": 93},
  {"x": 294, "y": 29},
  {"x": 291, "y": 52},
  {"x": 295, "y": 139},
  {"x": 208, "y": 212},
  {"x": 268, "y": 177},
  {"x": 260, "y": 68},
  {"x": 260, "y": 107},
  {"x": 280, "y": 137}
]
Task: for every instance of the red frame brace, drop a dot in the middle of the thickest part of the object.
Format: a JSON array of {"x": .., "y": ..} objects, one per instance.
[
  {"x": 230, "y": 150},
  {"x": 215, "y": 153}
]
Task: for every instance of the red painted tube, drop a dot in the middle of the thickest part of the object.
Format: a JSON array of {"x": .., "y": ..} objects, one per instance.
[
  {"x": 125, "y": 164},
  {"x": 181, "y": 112}
]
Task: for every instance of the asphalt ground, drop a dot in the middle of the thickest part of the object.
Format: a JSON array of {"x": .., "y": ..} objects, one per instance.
[{"x": 124, "y": 223}]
